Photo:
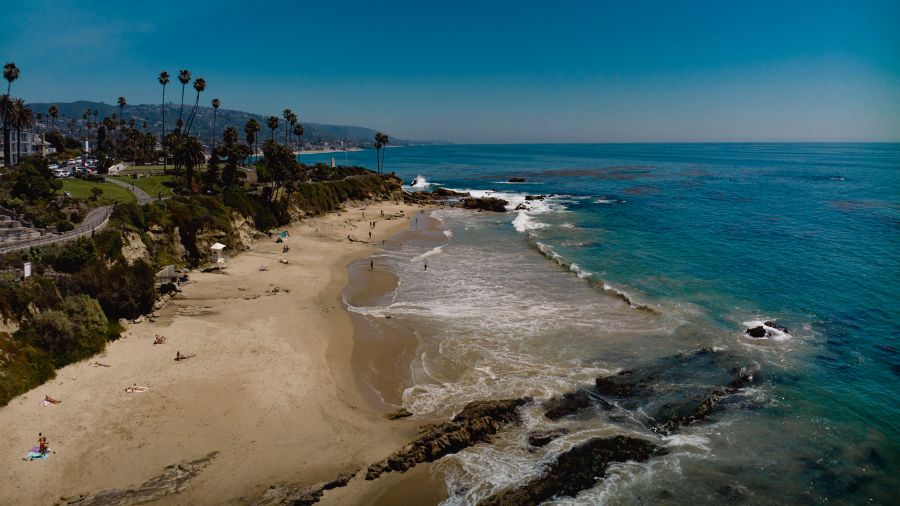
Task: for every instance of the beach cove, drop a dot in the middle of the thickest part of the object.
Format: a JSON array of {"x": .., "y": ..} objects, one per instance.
[{"x": 269, "y": 395}]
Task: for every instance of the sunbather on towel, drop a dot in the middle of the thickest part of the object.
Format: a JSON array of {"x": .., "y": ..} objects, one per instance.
[
  {"x": 49, "y": 400},
  {"x": 179, "y": 356},
  {"x": 159, "y": 339},
  {"x": 136, "y": 389}
]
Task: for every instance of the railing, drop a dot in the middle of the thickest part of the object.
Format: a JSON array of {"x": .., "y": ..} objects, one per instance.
[{"x": 61, "y": 237}]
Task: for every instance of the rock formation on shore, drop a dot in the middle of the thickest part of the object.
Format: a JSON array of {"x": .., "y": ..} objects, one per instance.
[
  {"x": 485, "y": 204},
  {"x": 476, "y": 423},
  {"x": 577, "y": 469}
]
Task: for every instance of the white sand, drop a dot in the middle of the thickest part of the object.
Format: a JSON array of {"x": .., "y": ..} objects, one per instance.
[{"x": 270, "y": 388}]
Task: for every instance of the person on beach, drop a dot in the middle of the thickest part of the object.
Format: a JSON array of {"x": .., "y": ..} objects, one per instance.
[
  {"x": 426, "y": 266},
  {"x": 179, "y": 357},
  {"x": 370, "y": 234},
  {"x": 159, "y": 339},
  {"x": 136, "y": 389},
  {"x": 50, "y": 400},
  {"x": 43, "y": 446},
  {"x": 371, "y": 265}
]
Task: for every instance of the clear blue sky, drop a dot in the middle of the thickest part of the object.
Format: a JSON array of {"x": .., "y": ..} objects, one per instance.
[{"x": 488, "y": 71}]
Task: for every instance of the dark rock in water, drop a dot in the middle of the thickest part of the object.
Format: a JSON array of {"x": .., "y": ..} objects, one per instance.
[
  {"x": 679, "y": 390},
  {"x": 735, "y": 491},
  {"x": 278, "y": 495},
  {"x": 542, "y": 437},
  {"x": 517, "y": 180},
  {"x": 534, "y": 197},
  {"x": 485, "y": 204},
  {"x": 443, "y": 192},
  {"x": 775, "y": 325},
  {"x": 521, "y": 207},
  {"x": 476, "y": 423},
  {"x": 567, "y": 404},
  {"x": 757, "y": 332},
  {"x": 577, "y": 469},
  {"x": 400, "y": 413}
]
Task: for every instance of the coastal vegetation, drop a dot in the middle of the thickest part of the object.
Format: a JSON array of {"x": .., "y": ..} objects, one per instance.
[{"x": 81, "y": 293}]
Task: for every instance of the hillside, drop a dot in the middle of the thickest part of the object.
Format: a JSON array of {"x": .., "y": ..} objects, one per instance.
[{"x": 314, "y": 133}]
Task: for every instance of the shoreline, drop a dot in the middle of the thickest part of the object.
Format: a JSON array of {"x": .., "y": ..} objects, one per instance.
[{"x": 271, "y": 389}]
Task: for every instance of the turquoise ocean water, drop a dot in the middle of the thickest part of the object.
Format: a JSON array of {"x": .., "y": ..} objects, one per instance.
[{"x": 713, "y": 237}]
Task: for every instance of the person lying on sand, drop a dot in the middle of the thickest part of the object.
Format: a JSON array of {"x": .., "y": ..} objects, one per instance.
[
  {"x": 136, "y": 389},
  {"x": 158, "y": 339},
  {"x": 263, "y": 268},
  {"x": 100, "y": 364},
  {"x": 179, "y": 356},
  {"x": 283, "y": 260},
  {"x": 51, "y": 400}
]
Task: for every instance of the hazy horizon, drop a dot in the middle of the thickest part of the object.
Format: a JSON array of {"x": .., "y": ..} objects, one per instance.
[{"x": 500, "y": 73}]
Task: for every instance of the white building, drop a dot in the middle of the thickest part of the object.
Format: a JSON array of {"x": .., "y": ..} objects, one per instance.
[{"x": 28, "y": 143}]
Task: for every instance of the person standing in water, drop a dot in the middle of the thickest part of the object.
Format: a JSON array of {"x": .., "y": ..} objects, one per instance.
[{"x": 371, "y": 265}]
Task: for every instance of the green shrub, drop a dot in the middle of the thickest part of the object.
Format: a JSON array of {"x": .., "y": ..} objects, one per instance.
[{"x": 76, "y": 330}]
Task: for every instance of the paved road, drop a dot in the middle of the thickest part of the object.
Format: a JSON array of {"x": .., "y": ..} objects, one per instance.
[{"x": 141, "y": 195}]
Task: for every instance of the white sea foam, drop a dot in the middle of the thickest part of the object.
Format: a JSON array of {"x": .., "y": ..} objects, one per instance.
[
  {"x": 687, "y": 440},
  {"x": 771, "y": 332},
  {"x": 581, "y": 273},
  {"x": 605, "y": 201},
  {"x": 433, "y": 251},
  {"x": 448, "y": 233},
  {"x": 523, "y": 222},
  {"x": 420, "y": 183},
  {"x": 567, "y": 225}
]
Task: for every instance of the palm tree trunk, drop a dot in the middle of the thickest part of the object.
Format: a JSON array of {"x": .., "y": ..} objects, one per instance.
[
  {"x": 162, "y": 137},
  {"x": 215, "y": 113},
  {"x": 7, "y": 149}
]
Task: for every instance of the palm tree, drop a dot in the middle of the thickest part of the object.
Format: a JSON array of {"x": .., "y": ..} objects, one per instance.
[
  {"x": 272, "y": 122},
  {"x": 163, "y": 80},
  {"x": 215, "y": 104},
  {"x": 184, "y": 77},
  {"x": 122, "y": 103},
  {"x": 381, "y": 140},
  {"x": 191, "y": 156},
  {"x": 199, "y": 86},
  {"x": 250, "y": 130},
  {"x": 53, "y": 111},
  {"x": 22, "y": 118},
  {"x": 287, "y": 114},
  {"x": 298, "y": 132},
  {"x": 10, "y": 73}
]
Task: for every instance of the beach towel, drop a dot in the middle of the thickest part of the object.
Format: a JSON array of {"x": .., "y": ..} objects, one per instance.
[{"x": 35, "y": 454}]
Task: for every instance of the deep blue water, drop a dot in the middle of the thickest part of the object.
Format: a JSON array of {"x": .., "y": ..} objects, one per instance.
[{"x": 808, "y": 234}]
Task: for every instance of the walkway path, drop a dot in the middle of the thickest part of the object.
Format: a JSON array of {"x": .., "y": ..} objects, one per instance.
[
  {"x": 95, "y": 220},
  {"x": 141, "y": 195}
]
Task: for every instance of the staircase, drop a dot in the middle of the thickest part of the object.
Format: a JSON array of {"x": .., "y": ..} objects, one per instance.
[{"x": 15, "y": 229}]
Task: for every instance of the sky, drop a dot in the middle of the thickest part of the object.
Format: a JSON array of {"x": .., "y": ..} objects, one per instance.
[{"x": 488, "y": 71}]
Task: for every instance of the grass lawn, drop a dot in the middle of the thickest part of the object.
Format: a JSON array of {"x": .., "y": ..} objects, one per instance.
[
  {"x": 153, "y": 185},
  {"x": 81, "y": 189}
]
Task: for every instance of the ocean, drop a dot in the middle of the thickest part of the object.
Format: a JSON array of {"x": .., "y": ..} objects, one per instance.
[{"x": 644, "y": 252}]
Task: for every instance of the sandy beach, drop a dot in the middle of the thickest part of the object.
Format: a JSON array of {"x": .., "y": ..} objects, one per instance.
[{"x": 271, "y": 388}]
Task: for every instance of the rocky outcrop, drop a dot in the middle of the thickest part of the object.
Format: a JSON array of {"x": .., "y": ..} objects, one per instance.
[
  {"x": 534, "y": 197},
  {"x": 133, "y": 248},
  {"x": 517, "y": 180},
  {"x": 486, "y": 204},
  {"x": 285, "y": 495},
  {"x": 244, "y": 230},
  {"x": 400, "y": 413},
  {"x": 476, "y": 423},
  {"x": 566, "y": 404},
  {"x": 173, "y": 480},
  {"x": 443, "y": 192},
  {"x": 765, "y": 330},
  {"x": 541, "y": 438},
  {"x": 577, "y": 469}
]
